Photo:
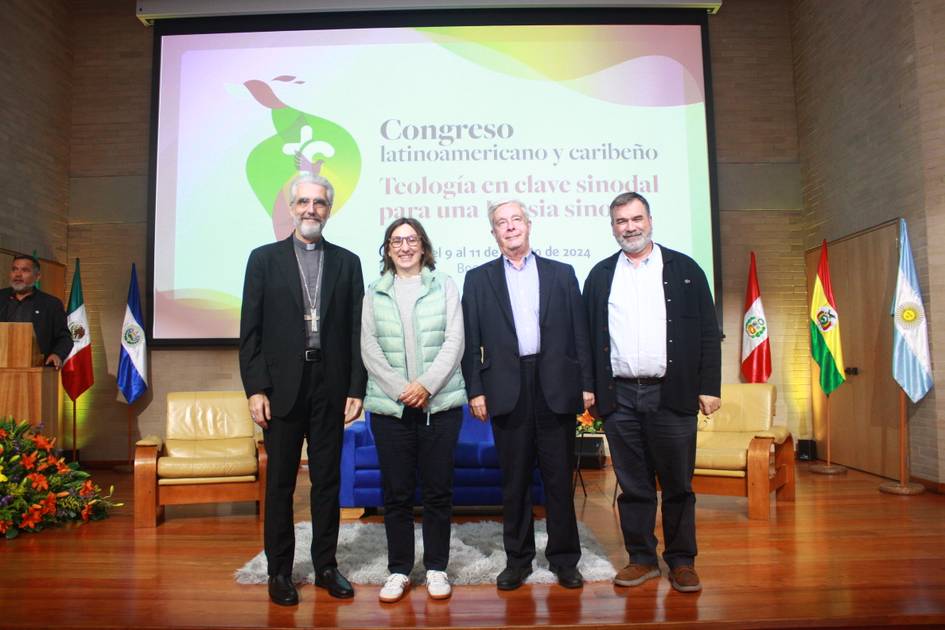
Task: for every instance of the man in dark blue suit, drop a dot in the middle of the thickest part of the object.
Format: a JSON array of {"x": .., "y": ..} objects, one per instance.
[{"x": 528, "y": 364}]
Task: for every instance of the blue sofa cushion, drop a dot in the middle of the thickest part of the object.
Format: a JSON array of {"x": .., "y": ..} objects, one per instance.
[
  {"x": 366, "y": 457},
  {"x": 477, "y": 479}
]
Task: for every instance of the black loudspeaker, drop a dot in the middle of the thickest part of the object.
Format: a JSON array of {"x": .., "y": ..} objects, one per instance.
[
  {"x": 589, "y": 451},
  {"x": 807, "y": 450}
]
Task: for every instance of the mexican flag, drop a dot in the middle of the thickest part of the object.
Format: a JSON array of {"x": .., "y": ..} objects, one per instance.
[
  {"x": 77, "y": 373},
  {"x": 756, "y": 349},
  {"x": 825, "y": 328}
]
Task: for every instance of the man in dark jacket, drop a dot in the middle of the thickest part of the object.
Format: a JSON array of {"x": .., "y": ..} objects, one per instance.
[
  {"x": 527, "y": 364},
  {"x": 657, "y": 362},
  {"x": 23, "y": 302},
  {"x": 300, "y": 361}
]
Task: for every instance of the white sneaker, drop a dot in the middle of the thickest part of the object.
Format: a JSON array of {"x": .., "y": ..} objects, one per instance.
[
  {"x": 438, "y": 585},
  {"x": 394, "y": 588}
]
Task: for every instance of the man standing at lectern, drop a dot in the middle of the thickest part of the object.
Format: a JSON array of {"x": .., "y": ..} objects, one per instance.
[
  {"x": 23, "y": 302},
  {"x": 300, "y": 361},
  {"x": 657, "y": 362}
]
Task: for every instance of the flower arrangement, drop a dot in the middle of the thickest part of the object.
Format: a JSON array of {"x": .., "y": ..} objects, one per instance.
[
  {"x": 586, "y": 423},
  {"x": 39, "y": 489}
]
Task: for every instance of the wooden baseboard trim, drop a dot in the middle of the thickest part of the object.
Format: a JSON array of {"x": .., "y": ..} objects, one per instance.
[
  {"x": 103, "y": 463},
  {"x": 931, "y": 486}
]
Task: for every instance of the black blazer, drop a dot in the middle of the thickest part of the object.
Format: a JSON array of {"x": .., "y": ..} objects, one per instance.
[
  {"x": 693, "y": 342},
  {"x": 272, "y": 331},
  {"x": 490, "y": 362},
  {"x": 49, "y": 322}
]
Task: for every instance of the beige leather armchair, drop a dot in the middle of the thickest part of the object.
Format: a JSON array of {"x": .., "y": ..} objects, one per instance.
[
  {"x": 734, "y": 449},
  {"x": 213, "y": 453}
]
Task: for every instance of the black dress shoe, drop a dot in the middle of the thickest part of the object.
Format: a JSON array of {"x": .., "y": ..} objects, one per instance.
[
  {"x": 512, "y": 577},
  {"x": 568, "y": 577},
  {"x": 335, "y": 583},
  {"x": 282, "y": 590}
]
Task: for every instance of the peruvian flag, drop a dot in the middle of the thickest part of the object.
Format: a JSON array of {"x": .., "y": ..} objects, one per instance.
[
  {"x": 756, "y": 349},
  {"x": 77, "y": 373}
]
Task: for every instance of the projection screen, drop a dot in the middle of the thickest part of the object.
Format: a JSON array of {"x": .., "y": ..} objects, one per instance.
[{"x": 432, "y": 122}]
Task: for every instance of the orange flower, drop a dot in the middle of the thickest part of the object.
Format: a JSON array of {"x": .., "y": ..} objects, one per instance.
[
  {"x": 56, "y": 462},
  {"x": 32, "y": 518},
  {"x": 88, "y": 488},
  {"x": 586, "y": 419},
  {"x": 39, "y": 481},
  {"x": 3, "y": 433},
  {"x": 86, "y": 513},
  {"x": 43, "y": 443},
  {"x": 29, "y": 460},
  {"x": 4, "y": 526},
  {"x": 49, "y": 503}
]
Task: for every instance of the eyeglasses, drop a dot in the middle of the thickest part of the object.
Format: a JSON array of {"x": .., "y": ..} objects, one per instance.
[
  {"x": 317, "y": 203},
  {"x": 397, "y": 241}
]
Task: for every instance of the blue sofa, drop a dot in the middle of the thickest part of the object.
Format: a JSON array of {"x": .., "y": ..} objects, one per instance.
[{"x": 477, "y": 479}]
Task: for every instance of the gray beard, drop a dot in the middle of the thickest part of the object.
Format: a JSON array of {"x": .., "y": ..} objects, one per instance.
[
  {"x": 311, "y": 230},
  {"x": 635, "y": 244},
  {"x": 20, "y": 287}
]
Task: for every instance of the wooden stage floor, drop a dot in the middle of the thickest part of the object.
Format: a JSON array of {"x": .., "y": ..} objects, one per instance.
[{"x": 844, "y": 555}]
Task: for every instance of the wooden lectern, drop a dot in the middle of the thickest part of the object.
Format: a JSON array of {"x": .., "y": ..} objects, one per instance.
[{"x": 28, "y": 391}]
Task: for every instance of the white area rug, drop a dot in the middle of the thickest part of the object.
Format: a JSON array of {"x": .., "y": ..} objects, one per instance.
[{"x": 476, "y": 555}]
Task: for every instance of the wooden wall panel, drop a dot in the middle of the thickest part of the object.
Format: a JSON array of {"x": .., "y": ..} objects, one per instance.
[{"x": 863, "y": 410}]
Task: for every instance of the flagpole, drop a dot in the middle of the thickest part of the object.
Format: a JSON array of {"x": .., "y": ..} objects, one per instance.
[
  {"x": 131, "y": 453},
  {"x": 903, "y": 486},
  {"x": 74, "y": 456},
  {"x": 828, "y": 468}
]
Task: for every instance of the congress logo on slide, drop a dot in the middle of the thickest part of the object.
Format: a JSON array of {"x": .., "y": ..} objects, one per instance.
[{"x": 301, "y": 142}]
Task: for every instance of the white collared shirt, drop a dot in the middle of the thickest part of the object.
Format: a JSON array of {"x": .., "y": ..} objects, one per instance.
[{"x": 636, "y": 316}]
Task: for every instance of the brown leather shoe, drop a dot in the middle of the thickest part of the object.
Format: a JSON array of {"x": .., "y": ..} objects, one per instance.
[
  {"x": 636, "y": 574},
  {"x": 685, "y": 579}
]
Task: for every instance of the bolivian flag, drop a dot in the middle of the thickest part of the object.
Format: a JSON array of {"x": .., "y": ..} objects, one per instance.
[{"x": 825, "y": 328}]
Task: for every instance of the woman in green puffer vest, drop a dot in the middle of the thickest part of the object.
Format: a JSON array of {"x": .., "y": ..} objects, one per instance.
[{"x": 411, "y": 343}]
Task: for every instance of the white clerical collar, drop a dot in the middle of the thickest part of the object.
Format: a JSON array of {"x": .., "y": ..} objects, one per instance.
[{"x": 303, "y": 245}]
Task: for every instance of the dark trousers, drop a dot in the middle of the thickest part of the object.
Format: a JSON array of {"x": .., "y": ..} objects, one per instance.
[
  {"x": 647, "y": 442},
  {"x": 531, "y": 430},
  {"x": 404, "y": 447},
  {"x": 320, "y": 420}
]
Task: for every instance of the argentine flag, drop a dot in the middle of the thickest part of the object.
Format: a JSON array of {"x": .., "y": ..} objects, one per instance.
[
  {"x": 132, "y": 361},
  {"x": 912, "y": 363}
]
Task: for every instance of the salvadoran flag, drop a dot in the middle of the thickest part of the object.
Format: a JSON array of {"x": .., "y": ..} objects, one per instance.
[
  {"x": 132, "y": 360},
  {"x": 912, "y": 363}
]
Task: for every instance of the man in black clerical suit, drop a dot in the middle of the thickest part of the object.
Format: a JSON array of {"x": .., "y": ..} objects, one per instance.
[
  {"x": 23, "y": 302},
  {"x": 528, "y": 364},
  {"x": 300, "y": 361}
]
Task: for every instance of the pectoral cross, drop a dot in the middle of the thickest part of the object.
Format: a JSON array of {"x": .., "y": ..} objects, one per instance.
[{"x": 312, "y": 317}]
